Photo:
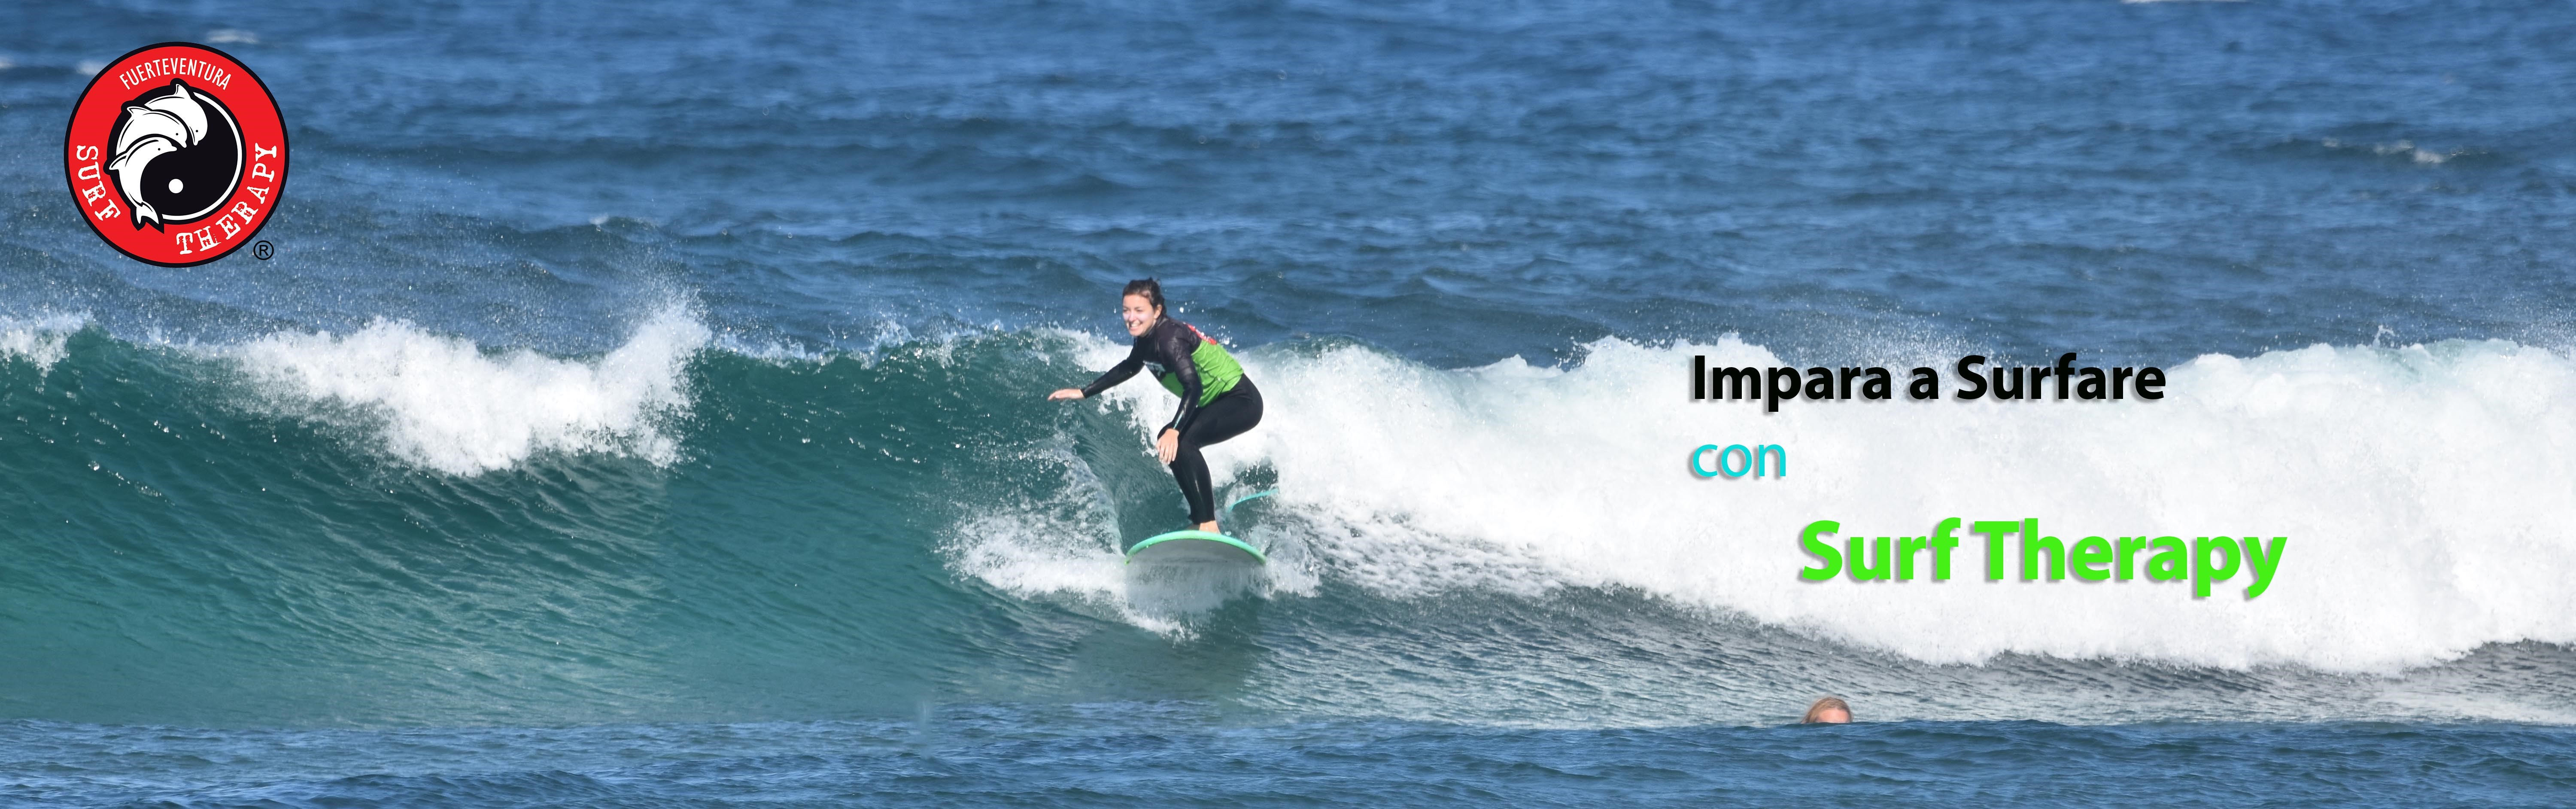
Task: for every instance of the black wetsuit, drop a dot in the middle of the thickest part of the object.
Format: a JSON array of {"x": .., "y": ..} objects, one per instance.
[{"x": 1172, "y": 348}]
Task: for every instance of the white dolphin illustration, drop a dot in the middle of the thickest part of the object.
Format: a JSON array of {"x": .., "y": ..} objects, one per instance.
[{"x": 152, "y": 129}]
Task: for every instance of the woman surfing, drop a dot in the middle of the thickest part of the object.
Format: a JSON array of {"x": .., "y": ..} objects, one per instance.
[{"x": 1217, "y": 401}]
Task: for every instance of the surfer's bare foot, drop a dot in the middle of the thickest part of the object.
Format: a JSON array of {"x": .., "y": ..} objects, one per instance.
[{"x": 1209, "y": 527}]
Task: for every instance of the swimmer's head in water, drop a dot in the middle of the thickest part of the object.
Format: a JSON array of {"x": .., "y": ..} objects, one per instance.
[
  {"x": 1828, "y": 711},
  {"x": 1140, "y": 305}
]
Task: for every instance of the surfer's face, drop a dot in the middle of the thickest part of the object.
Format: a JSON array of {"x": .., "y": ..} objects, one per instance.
[{"x": 1140, "y": 313}]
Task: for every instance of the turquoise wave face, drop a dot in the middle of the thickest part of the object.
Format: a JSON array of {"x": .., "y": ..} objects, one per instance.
[
  {"x": 372, "y": 529},
  {"x": 189, "y": 553}
]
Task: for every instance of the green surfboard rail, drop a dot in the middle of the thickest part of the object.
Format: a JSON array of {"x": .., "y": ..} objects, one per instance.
[
  {"x": 1221, "y": 539},
  {"x": 1228, "y": 513}
]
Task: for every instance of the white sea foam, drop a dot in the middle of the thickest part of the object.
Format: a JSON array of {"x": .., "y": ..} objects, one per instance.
[
  {"x": 1031, "y": 556},
  {"x": 443, "y": 403},
  {"x": 2420, "y": 155},
  {"x": 2429, "y": 493},
  {"x": 39, "y": 340}
]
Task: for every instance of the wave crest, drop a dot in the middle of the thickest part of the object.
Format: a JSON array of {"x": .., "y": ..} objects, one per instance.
[{"x": 446, "y": 404}]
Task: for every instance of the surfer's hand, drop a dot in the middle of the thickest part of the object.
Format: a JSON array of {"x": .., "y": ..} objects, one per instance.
[
  {"x": 1067, "y": 393},
  {"x": 1168, "y": 446}
]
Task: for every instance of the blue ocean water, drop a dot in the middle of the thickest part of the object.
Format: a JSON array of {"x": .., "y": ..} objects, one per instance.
[
  {"x": 1166, "y": 755},
  {"x": 643, "y": 405}
]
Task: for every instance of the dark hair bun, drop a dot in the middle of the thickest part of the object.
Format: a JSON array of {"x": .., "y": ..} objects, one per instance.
[{"x": 1147, "y": 287}]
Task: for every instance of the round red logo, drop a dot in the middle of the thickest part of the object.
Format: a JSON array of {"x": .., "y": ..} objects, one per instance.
[{"x": 177, "y": 154}]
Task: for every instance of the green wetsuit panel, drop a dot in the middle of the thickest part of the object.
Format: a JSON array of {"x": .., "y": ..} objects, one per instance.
[{"x": 1217, "y": 372}]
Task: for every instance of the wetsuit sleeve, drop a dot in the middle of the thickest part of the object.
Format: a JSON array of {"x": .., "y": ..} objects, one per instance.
[
  {"x": 1121, "y": 372},
  {"x": 1178, "y": 343}
]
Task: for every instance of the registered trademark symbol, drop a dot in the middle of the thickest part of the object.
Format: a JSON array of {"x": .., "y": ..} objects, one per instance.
[{"x": 261, "y": 250}]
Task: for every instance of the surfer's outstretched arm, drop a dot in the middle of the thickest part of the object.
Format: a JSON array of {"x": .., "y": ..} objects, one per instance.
[
  {"x": 1124, "y": 370},
  {"x": 1118, "y": 373}
]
